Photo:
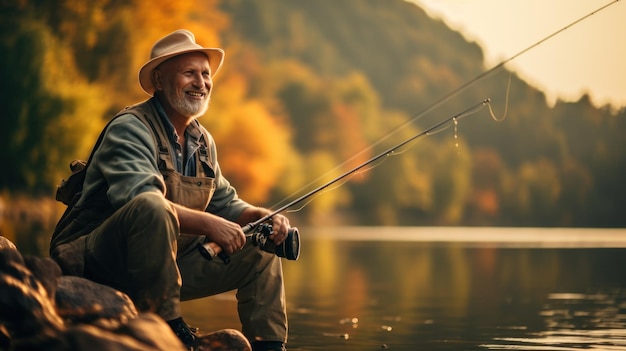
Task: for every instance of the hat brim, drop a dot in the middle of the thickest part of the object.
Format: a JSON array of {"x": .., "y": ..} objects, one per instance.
[{"x": 215, "y": 56}]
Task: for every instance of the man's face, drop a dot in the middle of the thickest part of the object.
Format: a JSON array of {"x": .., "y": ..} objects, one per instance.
[{"x": 186, "y": 83}]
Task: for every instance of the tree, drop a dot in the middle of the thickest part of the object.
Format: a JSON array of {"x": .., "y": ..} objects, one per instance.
[{"x": 47, "y": 100}]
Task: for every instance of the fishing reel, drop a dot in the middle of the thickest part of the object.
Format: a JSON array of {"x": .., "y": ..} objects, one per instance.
[{"x": 289, "y": 249}]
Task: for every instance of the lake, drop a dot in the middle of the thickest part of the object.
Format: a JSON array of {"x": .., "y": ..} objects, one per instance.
[{"x": 417, "y": 288}]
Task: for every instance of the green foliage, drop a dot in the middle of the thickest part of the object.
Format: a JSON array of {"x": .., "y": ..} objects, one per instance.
[
  {"x": 36, "y": 109},
  {"x": 23, "y": 123}
]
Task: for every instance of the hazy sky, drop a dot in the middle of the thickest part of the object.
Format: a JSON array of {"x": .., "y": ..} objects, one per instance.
[{"x": 589, "y": 57}]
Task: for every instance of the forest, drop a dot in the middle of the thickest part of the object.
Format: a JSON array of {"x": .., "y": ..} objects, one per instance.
[{"x": 309, "y": 90}]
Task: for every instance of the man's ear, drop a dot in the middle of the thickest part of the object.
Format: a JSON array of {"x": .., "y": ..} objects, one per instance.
[{"x": 156, "y": 79}]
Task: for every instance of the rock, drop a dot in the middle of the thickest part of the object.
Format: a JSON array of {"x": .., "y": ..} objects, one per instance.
[
  {"x": 79, "y": 300},
  {"x": 5, "y": 339},
  {"x": 6, "y": 243},
  {"x": 225, "y": 339},
  {"x": 145, "y": 332},
  {"x": 46, "y": 271},
  {"x": 25, "y": 304},
  {"x": 29, "y": 318},
  {"x": 40, "y": 309}
]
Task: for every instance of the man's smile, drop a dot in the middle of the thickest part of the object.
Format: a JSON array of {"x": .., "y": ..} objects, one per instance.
[{"x": 198, "y": 94}]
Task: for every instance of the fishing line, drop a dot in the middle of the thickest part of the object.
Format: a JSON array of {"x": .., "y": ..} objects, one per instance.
[
  {"x": 339, "y": 184},
  {"x": 376, "y": 161},
  {"x": 506, "y": 103},
  {"x": 389, "y": 152},
  {"x": 504, "y": 62},
  {"x": 396, "y": 150},
  {"x": 455, "y": 92}
]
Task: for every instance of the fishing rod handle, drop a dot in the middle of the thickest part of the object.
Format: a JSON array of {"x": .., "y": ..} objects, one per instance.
[
  {"x": 210, "y": 250},
  {"x": 248, "y": 228}
]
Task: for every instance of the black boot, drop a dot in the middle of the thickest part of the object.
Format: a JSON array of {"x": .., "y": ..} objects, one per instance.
[
  {"x": 268, "y": 346},
  {"x": 185, "y": 333}
]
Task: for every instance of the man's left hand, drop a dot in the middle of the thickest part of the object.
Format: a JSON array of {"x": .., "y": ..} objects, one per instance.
[{"x": 280, "y": 227}]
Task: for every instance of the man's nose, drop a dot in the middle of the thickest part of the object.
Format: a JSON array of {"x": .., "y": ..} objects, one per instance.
[{"x": 202, "y": 81}]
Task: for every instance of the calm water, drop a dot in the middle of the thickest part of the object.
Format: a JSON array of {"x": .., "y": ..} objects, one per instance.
[{"x": 449, "y": 289}]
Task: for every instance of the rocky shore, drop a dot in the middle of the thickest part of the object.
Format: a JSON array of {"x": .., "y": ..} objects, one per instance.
[{"x": 40, "y": 309}]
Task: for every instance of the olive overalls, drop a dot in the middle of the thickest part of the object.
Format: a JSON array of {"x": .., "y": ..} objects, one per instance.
[{"x": 139, "y": 250}]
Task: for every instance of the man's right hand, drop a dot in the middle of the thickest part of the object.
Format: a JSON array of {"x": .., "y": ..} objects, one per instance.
[{"x": 227, "y": 235}]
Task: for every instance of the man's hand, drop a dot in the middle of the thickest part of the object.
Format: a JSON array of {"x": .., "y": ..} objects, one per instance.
[
  {"x": 280, "y": 223},
  {"x": 228, "y": 235},
  {"x": 280, "y": 227}
]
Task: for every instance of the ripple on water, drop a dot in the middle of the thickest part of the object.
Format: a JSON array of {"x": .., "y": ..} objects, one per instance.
[{"x": 575, "y": 321}]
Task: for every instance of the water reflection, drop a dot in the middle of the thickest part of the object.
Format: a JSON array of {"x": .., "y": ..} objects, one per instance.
[
  {"x": 370, "y": 293},
  {"x": 576, "y": 321}
]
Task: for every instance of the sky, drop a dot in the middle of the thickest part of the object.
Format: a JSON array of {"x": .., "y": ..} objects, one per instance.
[{"x": 588, "y": 57}]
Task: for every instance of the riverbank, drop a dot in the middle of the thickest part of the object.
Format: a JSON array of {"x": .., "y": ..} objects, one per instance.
[{"x": 43, "y": 309}]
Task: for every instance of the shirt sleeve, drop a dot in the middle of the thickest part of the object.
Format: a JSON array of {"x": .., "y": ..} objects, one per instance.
[{"x": 126, "y": 160}]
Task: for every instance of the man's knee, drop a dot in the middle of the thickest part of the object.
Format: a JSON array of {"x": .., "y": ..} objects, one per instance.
[
  {"x": 151, "y": 201},
  {"x": 152, "y": 205},
  {"x": 267, "y": 265}
]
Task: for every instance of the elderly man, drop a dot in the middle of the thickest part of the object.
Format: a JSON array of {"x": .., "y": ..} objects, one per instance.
[{"x": 153, "y": 190}]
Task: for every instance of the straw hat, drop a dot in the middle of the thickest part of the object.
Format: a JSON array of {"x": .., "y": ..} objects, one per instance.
[{"x": 179, "y": 42}]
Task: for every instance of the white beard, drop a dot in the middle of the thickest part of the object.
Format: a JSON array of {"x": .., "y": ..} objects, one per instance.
[{"x": 190, "y": 108}]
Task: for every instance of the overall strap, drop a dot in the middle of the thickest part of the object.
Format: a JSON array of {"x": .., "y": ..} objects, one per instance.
[
  {"x": 143, "y": 111},
  {"x": 205, "y": 163},
  {"x": 147, "y": 113},
  {"x": 164, "y": 158}
]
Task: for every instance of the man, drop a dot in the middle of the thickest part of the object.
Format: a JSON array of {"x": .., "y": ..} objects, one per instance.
[{"x": 153, "y": 190}]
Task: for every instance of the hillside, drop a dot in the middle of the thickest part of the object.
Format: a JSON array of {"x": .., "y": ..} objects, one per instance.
[{"x": 535, "y": 168}]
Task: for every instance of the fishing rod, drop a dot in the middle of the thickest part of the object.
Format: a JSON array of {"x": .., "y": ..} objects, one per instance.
[
  {"x": 259, "y": 230},
  {"x": 479, "y": 77}
]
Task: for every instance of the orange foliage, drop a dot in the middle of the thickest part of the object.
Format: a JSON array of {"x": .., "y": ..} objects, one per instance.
[
  {"x": 486, "y": 201},
  {"x": 486, "y": 173},
  {"x": 251, "y": 143},
  {"x": 487, "y": 166},
  {"x": 352, "y": 143}
]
